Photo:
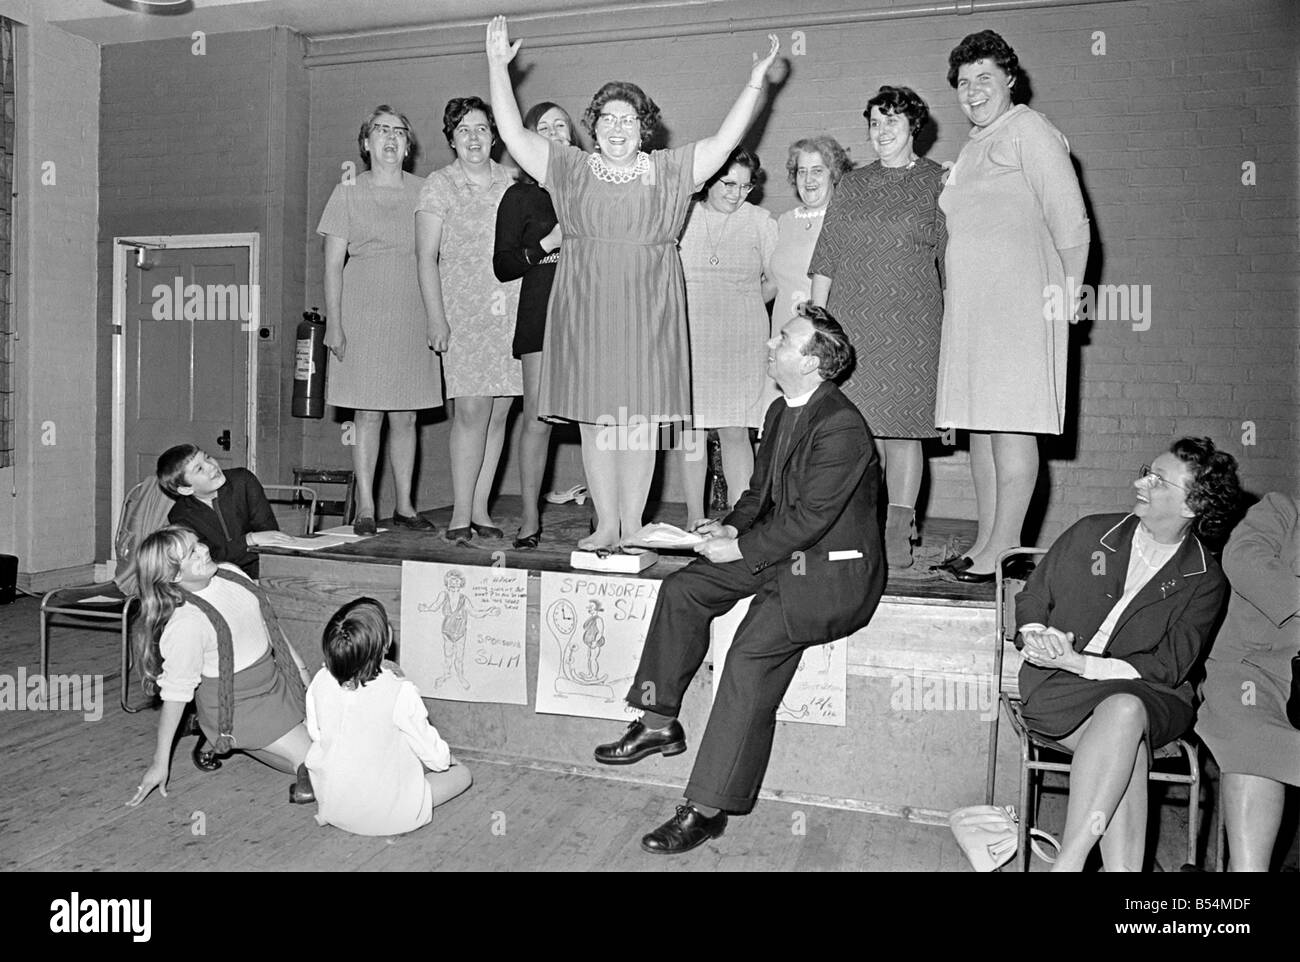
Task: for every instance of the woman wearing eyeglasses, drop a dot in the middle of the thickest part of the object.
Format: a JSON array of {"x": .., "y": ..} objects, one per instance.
[
  {"x": 726, "y": 252},
  {"x": 375, "y": 323},
  {"x": 615, "y": 358},
  {"x": 1111, "y": 623}
]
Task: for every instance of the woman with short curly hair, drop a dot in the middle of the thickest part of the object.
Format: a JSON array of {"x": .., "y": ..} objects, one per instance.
[
  {"x": 876, "y": 268},
  {"x": 616, "y": 353},
  {"x": 1111, "y": 624},
  {"x": 471, "y": 313},
  {"x": 1018, "y": 238}
]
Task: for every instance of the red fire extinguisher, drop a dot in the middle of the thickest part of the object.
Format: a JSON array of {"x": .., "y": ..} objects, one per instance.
[{"x": 309, "y": 367}]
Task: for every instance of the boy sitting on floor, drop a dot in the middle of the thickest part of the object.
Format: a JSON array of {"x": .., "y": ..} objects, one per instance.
[{"x": 228, "y": 510}]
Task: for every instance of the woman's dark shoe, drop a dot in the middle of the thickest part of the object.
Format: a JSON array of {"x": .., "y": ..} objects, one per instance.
[
  {"x": 966, "y": 576},
  {"x": 416, "y": 523},
  {"x": 458, "y": 534},
  {"x": 638, "y": 742},
  {"x": 953, "y": 565},
  {"x": 205, "y": 760},
  {"x": 684, "y": 831},
  {"x": 530, "y": 541},
  {"x": 301, "y": 791},
  {"x": 487, "y": 530},
  {"x": 364, "y": 526}
]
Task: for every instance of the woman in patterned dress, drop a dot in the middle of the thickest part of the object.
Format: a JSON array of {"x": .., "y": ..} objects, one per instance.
[
  {"x": 876, "y": 268},
  {"x": 1018, "y": 242},
  {"x": 726, "y": 252},
  {"x": 375, "y": 323},
  {"x": 471, "y": 313},
  {"x": 615, "y": 354}
]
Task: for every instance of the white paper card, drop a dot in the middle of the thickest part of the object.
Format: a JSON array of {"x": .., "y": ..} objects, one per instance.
[
  {"x": 593, "y": 628},
  {"x": 463, "y": 631}
]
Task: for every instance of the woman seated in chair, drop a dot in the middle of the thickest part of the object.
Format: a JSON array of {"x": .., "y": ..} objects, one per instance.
[
  {"x": 210, "y": 635},
  {"x": 1111, "y": 623}
]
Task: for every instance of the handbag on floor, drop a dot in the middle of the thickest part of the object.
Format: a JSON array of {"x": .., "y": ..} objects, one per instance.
[{"x": 988, "y": 836}]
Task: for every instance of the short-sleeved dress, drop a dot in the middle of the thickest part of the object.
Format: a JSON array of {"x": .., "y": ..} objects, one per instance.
[
  {"x": 881, "y": 246},
  {"x": 387, "y": 365},
  {"x": 616, "y": 342},
  {"x": 1012, "y": 203},
  {"x": 726, "y": 315},
  {"x": 797, "y": 232},
  {"x": 480, "y": 309}
]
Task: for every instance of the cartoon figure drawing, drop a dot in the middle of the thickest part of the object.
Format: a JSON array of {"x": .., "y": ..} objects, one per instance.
[
  {"x": 580, "y": 672},
  {"x": 593, "y": 636},
  {"x": 455, "y": 607}
]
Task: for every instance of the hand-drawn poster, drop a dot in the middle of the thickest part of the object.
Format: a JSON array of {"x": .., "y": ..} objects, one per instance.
[
  {"x": 592, "y": 632},
  {"x": 463, "y": 631},
  {"x": 817, "y": 694}
]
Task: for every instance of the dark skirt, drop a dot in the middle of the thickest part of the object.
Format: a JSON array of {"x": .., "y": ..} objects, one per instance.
[
  {"x": 265, "y": 708},
  {"x": 1063, "y": 701}
]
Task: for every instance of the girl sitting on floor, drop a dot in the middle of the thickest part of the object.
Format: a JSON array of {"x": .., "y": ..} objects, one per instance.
[
  {"x": 371, "y": 737},
  {"x": 210, "y": 635}
]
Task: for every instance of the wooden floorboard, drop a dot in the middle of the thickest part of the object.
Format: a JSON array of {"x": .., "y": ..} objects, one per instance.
[{"x": 64, "y": 782}]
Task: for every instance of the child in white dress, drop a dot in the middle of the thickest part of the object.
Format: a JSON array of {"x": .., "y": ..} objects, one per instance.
[{"x": 378, "y": 766}]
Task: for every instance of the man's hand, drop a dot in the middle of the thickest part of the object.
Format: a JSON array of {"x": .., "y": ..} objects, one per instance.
[
  {"x": 720, "y": 548},
  {"x": 267, "y": 538}
]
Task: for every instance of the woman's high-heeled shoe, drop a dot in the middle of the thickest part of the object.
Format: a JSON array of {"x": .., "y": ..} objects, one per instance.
[
  {"x": 528, "y": 542},
  {"x": 576, "y": 493}
]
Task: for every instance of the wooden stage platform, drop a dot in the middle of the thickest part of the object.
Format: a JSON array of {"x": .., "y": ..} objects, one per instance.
[{"x": 891, "y": 757}]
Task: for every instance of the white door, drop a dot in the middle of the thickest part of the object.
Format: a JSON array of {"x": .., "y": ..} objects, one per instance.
[{"x": 187, "y": 336}]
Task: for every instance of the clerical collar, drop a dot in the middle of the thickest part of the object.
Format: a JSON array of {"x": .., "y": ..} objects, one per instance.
[{"x": 801, "y": 400}]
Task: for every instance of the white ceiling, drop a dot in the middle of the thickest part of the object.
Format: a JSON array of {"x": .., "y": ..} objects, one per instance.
[{"x": 106, "y": 24}]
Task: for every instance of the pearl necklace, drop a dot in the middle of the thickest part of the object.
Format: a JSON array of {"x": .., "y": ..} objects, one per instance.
[{"x": 619, "y": 175}]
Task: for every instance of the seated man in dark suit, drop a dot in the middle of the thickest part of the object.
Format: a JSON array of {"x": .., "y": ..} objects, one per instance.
[
  {"x": 228, "y": 510},
  {"x": 804, "y": 540}
]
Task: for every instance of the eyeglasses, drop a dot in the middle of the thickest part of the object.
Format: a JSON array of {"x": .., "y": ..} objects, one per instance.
[
  {"x": 1145, "y": 474},
  {"x": 386, "y": 131},
  {"x": 610, "y": 121},
  {"x": 732, "y": 185}
]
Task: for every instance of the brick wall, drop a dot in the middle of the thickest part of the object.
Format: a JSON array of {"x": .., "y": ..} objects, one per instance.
[
  {"x": 45, "y": 498},
  {"x": 1185, "y": 94},
  {"x": 1160, "y": 124}
]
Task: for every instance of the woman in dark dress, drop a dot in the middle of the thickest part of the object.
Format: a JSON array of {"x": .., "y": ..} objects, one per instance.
[
  {"x": 876, "y": 268},
  {"x": 528, "y": 246},
  {"x": 1111, "y": 623}
]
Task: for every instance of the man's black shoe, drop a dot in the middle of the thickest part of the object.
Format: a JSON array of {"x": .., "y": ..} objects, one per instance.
[
  {"x": 684, "y": 831},
  {"x": 638, "y": 742}
]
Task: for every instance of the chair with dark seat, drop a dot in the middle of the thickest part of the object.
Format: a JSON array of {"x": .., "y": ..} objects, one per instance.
[
  {"x": 144, "y": 510},
  {"x": 1039, "y": 755},
  {"x": 344, "y": 506}
]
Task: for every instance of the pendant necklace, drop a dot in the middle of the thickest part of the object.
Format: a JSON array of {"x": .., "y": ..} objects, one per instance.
[{"x": 713, "y": 257}]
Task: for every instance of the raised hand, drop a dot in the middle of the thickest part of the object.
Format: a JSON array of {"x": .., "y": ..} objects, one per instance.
[
  {"x": 499, "y": 48},
  {"x": 761, "y": 67}
]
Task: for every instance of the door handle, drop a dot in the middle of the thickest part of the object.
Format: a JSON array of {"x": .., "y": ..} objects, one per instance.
[{"x": 223, "y": 440}]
